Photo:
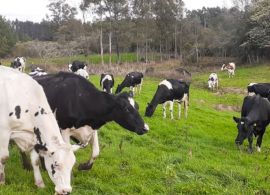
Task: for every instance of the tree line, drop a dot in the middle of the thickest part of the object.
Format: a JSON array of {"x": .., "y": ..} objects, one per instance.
[{"x": 162, "y": 27}]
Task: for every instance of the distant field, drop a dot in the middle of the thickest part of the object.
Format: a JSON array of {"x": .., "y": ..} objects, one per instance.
[
  {"x": 193, "y": 156},
  {"x": 91, "y": 59}
]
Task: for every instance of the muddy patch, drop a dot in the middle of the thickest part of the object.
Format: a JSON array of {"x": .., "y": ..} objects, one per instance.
[
  {"x": 222, "y": 107},
  {"x": 232, "y": 90}
]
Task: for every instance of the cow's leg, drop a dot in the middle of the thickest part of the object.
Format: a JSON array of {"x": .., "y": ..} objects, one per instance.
[
  {"x": 250, "y": 140},
  {"x": 4, "y": 154},
  {"x": 179, "y": 110},
  {"x": 171, "y": 108},
  {"x": 95, "y": 152},
  {"x": 217, "y": 85},
  {"x": 26, "y": 161},
  {"x": 164, "y": 109},
  {"x": 141, "y": 86},
  {"x": 186, "y": 102},
  {"x": 35, "y": 164},
  {"x": 259, "y": 141},
  {"x": 111, "y": 90}
]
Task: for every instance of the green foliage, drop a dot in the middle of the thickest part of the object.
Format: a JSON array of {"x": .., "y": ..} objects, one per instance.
[
  {"x": 188, "y": 156},
  {"x": 7, "y": 38}
]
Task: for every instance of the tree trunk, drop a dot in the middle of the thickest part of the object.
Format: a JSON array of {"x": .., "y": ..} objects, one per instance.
[
  {"x": 175, "y": 43},
  {"x": 137, "y": 51},
  {"x": 110, "y": 47},
  {"x": 160, "y": 51},
  {"x": 101, "y": 46},
  {"x": 146, "y": 52}
]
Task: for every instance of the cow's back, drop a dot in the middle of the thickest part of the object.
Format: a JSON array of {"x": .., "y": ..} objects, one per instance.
[{"x": 20, "y": 95}]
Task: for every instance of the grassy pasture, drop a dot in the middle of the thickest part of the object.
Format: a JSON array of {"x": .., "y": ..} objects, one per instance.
[{"x": 193, "y": 156}]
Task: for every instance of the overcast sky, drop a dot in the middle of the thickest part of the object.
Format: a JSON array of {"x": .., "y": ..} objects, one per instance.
[{"x": 35, "y": 10}]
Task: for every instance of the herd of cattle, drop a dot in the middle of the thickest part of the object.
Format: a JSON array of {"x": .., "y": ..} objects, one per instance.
[{"x": 35, "y": 108}]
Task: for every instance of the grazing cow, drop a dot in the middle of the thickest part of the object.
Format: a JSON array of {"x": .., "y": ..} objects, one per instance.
[
  {"x": 263, "y": 89},
  {"x": 213, "y": 81},
  {"x": 37, "y": 72},
  {"x": 106, "y": 82},
  {"x": 230, "y": 67},
  {"x": 19, "y": 64},
  {"x": 132, "y": 80},
  {"x": 76, "y": 65},
  {"x": 169, "y": 90},
  {"x": 27, "y": 119},
  {"x": 80, "y": 108},
  {"x": 255, "y": 116}
]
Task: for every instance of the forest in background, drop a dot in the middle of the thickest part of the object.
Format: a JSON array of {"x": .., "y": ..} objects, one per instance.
[{"x": 163, "y": 27}]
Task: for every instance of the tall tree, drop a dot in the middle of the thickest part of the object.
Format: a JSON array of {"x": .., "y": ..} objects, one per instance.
[{"x": 7, "y": 37}]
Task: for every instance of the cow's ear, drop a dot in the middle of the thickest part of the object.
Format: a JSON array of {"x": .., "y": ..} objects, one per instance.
[{"x": 237, "y": 120}]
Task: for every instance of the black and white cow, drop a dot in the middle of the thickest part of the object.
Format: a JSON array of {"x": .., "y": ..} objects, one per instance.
[
  {"x": 76, "y": 65},
  {"x": 230, "y": 67},
  {"x": 19, "y": 63},
  {"x": 81, "y": 109},
  {"x": 169, "y": 90},
  {"x": 27, "y": 118},
  {"x": 106, "y": 82},
  {"x": 255, "y": 116},
  {"x": 132, "y": 80},
  {"x": 37, "y": 72},
  {"x": 213, "y": 81},
  {"x": 263, "y": 89},
  {"x": 79, "y": 68}
]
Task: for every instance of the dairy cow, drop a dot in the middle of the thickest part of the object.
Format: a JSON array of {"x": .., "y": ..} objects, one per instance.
[
  {"x": 169, "y": 90},
  {"x": 230, "y": 67},
  {"x": 27, "y": 118},
  {"x": 213, "y": 81},
  {"x": 132, "y": 80},
  {"x": 81, "y": 109},
  {"x": 106, "y": 82},
  {"x": 263, "y": 89},
  {"x": 255, "y": 117},
  {"x": 19, "y": 63}
]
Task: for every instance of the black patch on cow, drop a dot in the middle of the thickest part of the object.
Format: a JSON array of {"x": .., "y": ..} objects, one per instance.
[
  {"x": 18, "y": 111},
  {"x": 36, "y": 113},
  {"x": 26, "y": 111},
  {"x": 53, "y": 169},
  {"x": 39, "y": 145},
  {"x": 10, "y": 114},
  {"x": 42, "y": 111}
]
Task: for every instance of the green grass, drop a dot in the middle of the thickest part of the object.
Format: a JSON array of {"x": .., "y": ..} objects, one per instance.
[{"x": 193, "y": 156}]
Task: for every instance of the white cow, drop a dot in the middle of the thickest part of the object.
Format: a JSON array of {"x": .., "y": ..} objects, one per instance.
[
  {"x": 230, "y": 67},
  {"x": 213, "y": 81},
  {"x": 19, "y": 63},
  {"x": 26, "y": 118}
]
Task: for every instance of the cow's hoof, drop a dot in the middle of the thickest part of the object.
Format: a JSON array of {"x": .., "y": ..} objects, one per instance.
[
  {"x": 40, "y": 184},
  {"x": 85, "y": 166},
  {"x": 250, "y": 150}
]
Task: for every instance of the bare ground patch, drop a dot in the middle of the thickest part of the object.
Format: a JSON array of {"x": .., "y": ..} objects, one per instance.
[
  {"x": 232, "y": 90},
  {"x": 222, "y": 107}
]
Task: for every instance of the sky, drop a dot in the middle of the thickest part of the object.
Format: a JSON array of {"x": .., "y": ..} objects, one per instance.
[{"x": 36, "y": 10}]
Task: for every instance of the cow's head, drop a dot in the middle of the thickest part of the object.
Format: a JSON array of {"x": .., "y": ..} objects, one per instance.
[
  {"x": 245, "y": 129},
  {"x": 16, "y": 64},
  {"x": 210, "y": 82},
  {"x": 126, "y": 114},
  {"x": 224, "y": 67},
  {"x": 150, "y": 109},
  {"x": 59, "y": 163}
]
